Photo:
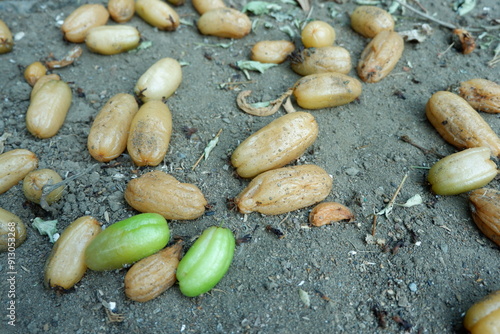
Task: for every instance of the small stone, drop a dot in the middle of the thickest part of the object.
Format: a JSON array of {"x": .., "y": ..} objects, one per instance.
[
  {"x": 352, "y": 171},
  {"x": 413, "y": 287}
]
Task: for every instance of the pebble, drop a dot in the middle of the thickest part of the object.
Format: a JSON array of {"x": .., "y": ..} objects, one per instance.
[
  {"x": 352, "y": 171},
  {"x": 413, "y": 287}
]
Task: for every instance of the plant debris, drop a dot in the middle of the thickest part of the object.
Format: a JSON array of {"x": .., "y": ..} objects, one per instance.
[
  {"x": 266, "y": 109},
  {"x": 72, "y": 55},
  {"x": 46, "y": 227}
]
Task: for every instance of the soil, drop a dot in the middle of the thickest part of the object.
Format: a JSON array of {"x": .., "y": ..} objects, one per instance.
[{"x": 426, "y": 265}]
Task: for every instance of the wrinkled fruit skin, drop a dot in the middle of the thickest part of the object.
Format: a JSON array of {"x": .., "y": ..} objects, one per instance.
[
  {"x": 484, "y": 316},
  {"x": 485, "y": 208},
  {"x": 285, "y": 189},
  {"x": 481, "y": 94},
  {"x": 328, "y": 212},
  {"x": 380, "y": 56},
  {"x": 275, "y": 145},
  {"x": 462, "y": 171},
  {"x": 459, "y": 124},
  {"x": 161, "y": 193},
  {"x": 151, "y": 276},
  {"x": 206, "y": 262},
  {"x": 321, "y": 60},
  {"x": 127, "y": 241}
]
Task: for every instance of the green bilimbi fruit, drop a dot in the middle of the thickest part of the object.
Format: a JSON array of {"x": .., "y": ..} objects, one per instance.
[
  {"x": 206, "y": 262},
  {"x": 127, "y": 241}
]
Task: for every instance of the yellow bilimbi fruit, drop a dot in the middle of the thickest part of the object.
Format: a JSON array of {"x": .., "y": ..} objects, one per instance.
[
  {"x": 159, "y": 81},
  {"x": 485, "y": 208},
  {"x": 285, "y": 189},
  {"x": 6, "y": 41},
  {"x": 109, "y": 132},
  {"x": 121, "y": 10},
  {"x": 274, "y": 52},
  {"x": 370, "y": 20},
  {"x": 110, "y": 40},
  {"x": 321, "y": 60},
  {"x": 225, "y": 23},
  {"x": 48, "y": 108},
  {"x": 325, "y": 90},
  {"x": 481, "y": 94},
  {"x": 14, "y": 166},
  {"x": 66, "y": 264},
  {"x": 34, "y": 182},
  {"x": 149, "y": 135},
  {"x": 380, "y": 56},
  {"x": 82, "y": 19},
  {"x": 484, "y": 316},
  {"x": 280, "y": 142},
  {"x": 459, "y": 124},
  {"x": 12, "y": 231},
  {"x": 203, "y": 6},
  {"x": 317, "y": 34},
  {"x": 33, "y": 72},
  {"x": 158, "y": 13}
]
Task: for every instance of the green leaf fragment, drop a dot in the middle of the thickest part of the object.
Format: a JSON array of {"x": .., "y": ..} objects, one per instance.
[
  {"x": 462, "y": 7},
  {"x": 46, "y": 227},
  {"x": 260, "y": 7},
  {"x": 211, "y": 145},
  {"x": 252, "y": 65}
]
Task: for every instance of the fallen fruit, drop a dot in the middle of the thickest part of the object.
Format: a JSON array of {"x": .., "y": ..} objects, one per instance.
[
  {"x": 157, "y": 13},
  {"x": 370, "y": 20},
  {"x": 203, "y": 6},
  {"x": 149, "y": 134},
  {"x": 380, "y": 56},
  {"x": 225, "y": 23},
  {"x": 285, "y": 189},
  {"x": 317, "y": 34},
  {"x": 121, "y": 10},
  {"x": 484, "y": 316},
  {"x": 48, "y": 108},
  {"x": 481, "y": 94},
  {"x": 12, "y": 231},
  {"x": 82, "y": 19},
  {"x": 276, "y": 144},
  {"x": 111, "y": 40},
  {"x": 161, "y": 193},
  {"x": 14, "y": 166},
  {"x": 127, "y": 241},
  {"x": 326, "y": 90},
  {"x": 34, "y": 182},
  {"x": 66, "y": 264},
  {"x": 206, "y": 262},
  {"x": 463, "y": 171},
  {"x": 485, "y": 207},
  {"x": 109, "y": 132},
  {"x": 320, "y": 60},
  {"x": 459, "y": 124},
  {"x": 151, "y": 276},
  {"x": 33, "y": 72},
  {"x": 274, "y": 52},
  {"x": 159, "y": 81},
  {"x": 6, "y": 41}
]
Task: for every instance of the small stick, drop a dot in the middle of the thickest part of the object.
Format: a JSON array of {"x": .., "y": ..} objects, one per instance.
[
  {"x": 407, "y": 139},
  {"x": 390, "y": 205},
  {"x": 428, "y": 17},
  {"x": 203, "y": 154},
  {"x": 374, "y": 225}
]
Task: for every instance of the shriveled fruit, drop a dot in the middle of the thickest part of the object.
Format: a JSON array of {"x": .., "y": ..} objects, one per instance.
[
  {"x": 481, "y": 94},
  {"x": 328, "y": 212},
  {"x": 380, "y": 56},
  {"x": 151, "y": 276},
  {"x": 459, "y": 124},
  {"x": 320, "y": 60},
  {"x": 285, "y": 189},
  {"x": 161, "y": 193},
  {"x": 275, "y": 145},
  {"x": 485, "y": 207}
]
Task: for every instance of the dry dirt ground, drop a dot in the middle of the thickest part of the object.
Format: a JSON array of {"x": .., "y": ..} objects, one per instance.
[{"x": 433, "y": 264}]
